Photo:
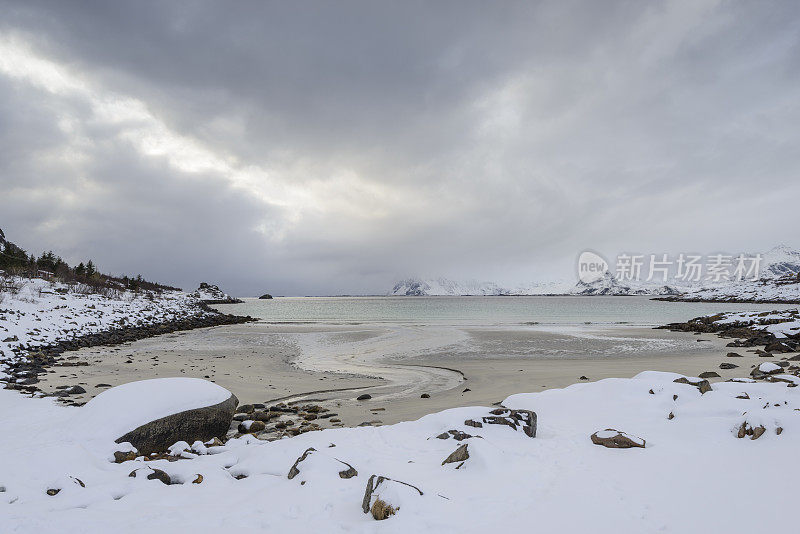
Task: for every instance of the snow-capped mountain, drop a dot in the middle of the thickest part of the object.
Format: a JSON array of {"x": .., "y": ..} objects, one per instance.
[
  {"x": 609, "y": 285},
  {"x": 779, "y": 262},
  {"x": 415, "y": 287}
]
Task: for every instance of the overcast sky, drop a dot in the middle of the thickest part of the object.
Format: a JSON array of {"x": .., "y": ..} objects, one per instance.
[{"x": 334, "y": 147}]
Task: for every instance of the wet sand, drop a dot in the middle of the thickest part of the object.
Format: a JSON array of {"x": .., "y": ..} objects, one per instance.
[{"x": 262, "y": 362}]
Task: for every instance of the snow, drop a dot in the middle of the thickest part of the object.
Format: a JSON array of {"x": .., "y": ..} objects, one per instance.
[
  {"x": 119, "y": 410},
  {"x": 693, "y": 473},
  {"x": 43, "y": 312}
]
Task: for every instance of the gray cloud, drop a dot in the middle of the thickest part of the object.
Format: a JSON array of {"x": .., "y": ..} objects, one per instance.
[{"x": 331, "y": 148}]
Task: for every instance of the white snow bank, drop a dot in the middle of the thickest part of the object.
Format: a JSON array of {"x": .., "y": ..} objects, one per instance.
[
  {"x": 690, "y": 477},
  {"x": 119, "y": 410}
]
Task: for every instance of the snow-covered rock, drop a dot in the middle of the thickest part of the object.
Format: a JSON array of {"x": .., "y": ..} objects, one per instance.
[
  {"x": 154, "y": 414},
  {"x": 211, "y": 294}
]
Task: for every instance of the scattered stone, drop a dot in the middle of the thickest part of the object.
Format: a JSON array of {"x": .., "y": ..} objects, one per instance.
[
  {"x": 53, "y": 491},
  {"x": 425, "y": 396},
  {"x": 365, "y": 396},
  {"x": 734, "y": 355},
  {"x": 124, "y": 456},
  {"x": 702, "y": 385},
  {"x": 583, "y": 378},
  {"x": 615, "y": 439},
  {"x": 778, "y": 346},
  {"x": 461, "y": 454},
  {"x": 246, "y": 408},
  {"x": 155, "y": 474},
  {"x": 251, "y": 427},
  {"x": 198, "y": 480},
  {"x": 726, "y": 365},
  {"x": 746, "y": 430},
  {"x": 466, "y": 390},
  {"x": 349, "y": 472},
  {"x": 766, "y": 369},
  {"x": 103, "y": 386},
  {"x": 708, "y": 374},
  {"x": 474, "y": 424}
]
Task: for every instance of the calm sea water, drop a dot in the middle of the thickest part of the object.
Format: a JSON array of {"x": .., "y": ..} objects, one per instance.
[{"x": 481, "y": 310}]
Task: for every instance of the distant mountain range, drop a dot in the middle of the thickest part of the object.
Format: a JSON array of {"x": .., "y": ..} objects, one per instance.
[{"x": 779, "y": 268}]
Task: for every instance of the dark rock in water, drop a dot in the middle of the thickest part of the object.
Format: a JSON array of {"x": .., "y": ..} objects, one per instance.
[
  {"x": 466, "y": 389},
  {"x": 425, "y": 396},
  {"x": 75, "y": 390},
  {"x": 103, "y": 386},
  {"x": 365, "y": 396},
  {"x": 191, "y": 425},
  {"x": 614, "y": 439},
  {"x": 709, "y": 374},
  {"x": 734, "y": 355},
  {"x": 265, "y": 296},
  {"x": 726, "y": 365},
  {"x": 583, "y": 378},
  {"x": 461, "y": 454}
]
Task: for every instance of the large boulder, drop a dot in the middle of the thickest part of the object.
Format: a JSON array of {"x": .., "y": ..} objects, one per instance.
[{"x": 153, "y": 414}]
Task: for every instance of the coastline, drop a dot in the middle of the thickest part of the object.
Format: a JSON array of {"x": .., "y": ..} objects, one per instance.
[{"x": 256, "y": 363}]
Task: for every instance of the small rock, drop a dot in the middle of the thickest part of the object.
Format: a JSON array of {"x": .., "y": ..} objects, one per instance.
[
  {"x": 734, "y": 355},
  {"x": 583, "y": 378},
  {"x": 198, "y": 480},
  {"x": 615, "y": 439},
  {"x": 424, "y": 396},
  {"x": 126, "y": 456},
  {"x": 726, "y": 365},
  {"x": 708, "y": 374},
  {"x": 365, "y": 396},
  {"x": 702, "y": 385},
  {"x": 461, "y": 454},
  {"x": 251, "y": 427},
  {"x": 53, "y": 491},
  {"x": 246, "y": 408}
]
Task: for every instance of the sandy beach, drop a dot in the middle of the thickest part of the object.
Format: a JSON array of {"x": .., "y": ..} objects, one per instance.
[{"x": 333, "y": 364}]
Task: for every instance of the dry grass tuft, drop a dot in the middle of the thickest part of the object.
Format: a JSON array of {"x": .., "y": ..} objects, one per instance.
[{"x": 382, "y": 510}]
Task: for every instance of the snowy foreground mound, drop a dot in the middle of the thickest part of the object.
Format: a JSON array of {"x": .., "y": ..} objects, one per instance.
[{"x": 694, "y": 474}]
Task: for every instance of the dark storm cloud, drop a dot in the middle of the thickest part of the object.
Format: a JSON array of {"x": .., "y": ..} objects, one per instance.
[{"x": 332, "y": 147}]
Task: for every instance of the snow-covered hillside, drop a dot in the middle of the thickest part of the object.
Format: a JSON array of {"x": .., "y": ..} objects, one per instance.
[
  {"x": 718, "y": 461},
  {"x": 779, "y": 281},
  {"x": 36, "y": 312}
]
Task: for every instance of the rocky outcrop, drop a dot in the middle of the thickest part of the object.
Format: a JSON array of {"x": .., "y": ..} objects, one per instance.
[
  {"x": 211, "y": 294},
  {"x": 265, "y": 296}
]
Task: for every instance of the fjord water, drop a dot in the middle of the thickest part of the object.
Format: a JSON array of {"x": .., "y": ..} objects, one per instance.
[{"x": 597, "y": 310}]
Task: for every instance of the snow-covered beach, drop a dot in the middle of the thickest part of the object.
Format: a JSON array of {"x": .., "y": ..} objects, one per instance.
[{"x": 58, "y": 468}]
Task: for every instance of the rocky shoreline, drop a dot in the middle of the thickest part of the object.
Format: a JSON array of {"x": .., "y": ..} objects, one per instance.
[
  {"x": 747, "y": 333},
  {"x": 728, "y": 300},
  {"x": 23, "y": 373}
]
